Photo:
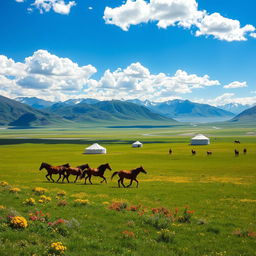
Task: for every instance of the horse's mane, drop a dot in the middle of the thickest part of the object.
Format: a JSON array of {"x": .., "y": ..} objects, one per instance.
[{"x": 102, "y": 165}]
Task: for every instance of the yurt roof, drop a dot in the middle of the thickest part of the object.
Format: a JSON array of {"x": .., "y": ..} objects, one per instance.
[
  {"x": 95, "y": 146},
  {"x": 200, "y": 137},
  {"x": 137, "y": 142}
]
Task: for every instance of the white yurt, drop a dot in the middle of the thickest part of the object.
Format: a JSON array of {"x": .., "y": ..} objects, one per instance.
[
  {"x": 200, "y": 139},
  {"x": 95, "y": 149},
  {"x": 137, "y": 144}
]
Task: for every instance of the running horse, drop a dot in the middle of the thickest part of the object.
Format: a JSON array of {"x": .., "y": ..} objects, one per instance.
[
  {"x": 95, "y": 172},
  {"x": 54, "y": 170},
  {"x": 77, "y": 171},
  {"x": 131, "y": 175}
]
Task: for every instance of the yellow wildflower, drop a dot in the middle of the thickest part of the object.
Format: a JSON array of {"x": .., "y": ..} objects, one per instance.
[
  {"x": 44, "y": 199},
  {"x": 105, "y": 203},
  {"x": 30, "y": 201},
  {"x": 58, "y": 247},
  {"x": 2, "y": 207},
  {"x": 4, "y": 184},
  {"x": 81, "y": 201},
  {"x": 39, "y": 190},
  {"x": 18, "y": 222},
  {"x": 14, "y": 190}
]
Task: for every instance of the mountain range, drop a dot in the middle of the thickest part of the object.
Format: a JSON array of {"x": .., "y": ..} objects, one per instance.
[
  {"x": 248, "y": 115},
  {"x": 29, "y": 111},
  {"x": 235, "y": 108}
]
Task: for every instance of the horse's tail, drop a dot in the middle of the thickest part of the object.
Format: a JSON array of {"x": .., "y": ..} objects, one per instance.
[
  {"x": 83, "y": 174},
  {"x": 115, "y": 173}
]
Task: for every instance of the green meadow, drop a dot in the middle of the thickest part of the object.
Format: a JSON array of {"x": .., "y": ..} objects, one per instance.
[{"x": 185, "y": 205}]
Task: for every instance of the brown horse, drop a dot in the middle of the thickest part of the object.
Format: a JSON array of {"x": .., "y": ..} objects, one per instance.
[
  {"x": 74, "y": 171},
  {"x": 237, "y": 141},
  {"x": 236, "y": 152},
  {"x": 193, "y": 152},
  {"x": 170, "y": 151},
  {"x": 131, "y": 175},
  {"x": 209, "y": 153},
  {"x": 95, "y": 172},
  {"x": 245, "y": 150},
  {"x": 54, "y": 170}
]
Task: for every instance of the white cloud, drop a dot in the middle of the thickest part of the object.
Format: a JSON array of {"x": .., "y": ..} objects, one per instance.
[
  {"x": 137, "y": 81},
  {"x": 58, "y": 6},
  {"x": 235, "y": 84},
  {"x": 20, "y": 1},
  {"x": 223, "y": 28},
  {"x": 183, "y": 13},
  {"x": 227, "y": 98},
  {"x": 253, "y": 35}
]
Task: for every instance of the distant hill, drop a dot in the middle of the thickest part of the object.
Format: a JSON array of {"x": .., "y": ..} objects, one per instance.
[
  {"x": 35, "y": 102},
  {"x": 105, "y": 110},
  {"x": 185, "y": 109},
  {"x": 248, "y": 115},
  {"x": 235, "y": 108},
  {"x": 14, "y": 113}
]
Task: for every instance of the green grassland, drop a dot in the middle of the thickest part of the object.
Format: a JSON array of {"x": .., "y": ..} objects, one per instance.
[{"x": 220, "y": 190}]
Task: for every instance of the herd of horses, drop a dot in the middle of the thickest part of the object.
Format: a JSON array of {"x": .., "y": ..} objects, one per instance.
[
  {"x": 193, "y": 152},
  {"x": 85, "y": 172}
]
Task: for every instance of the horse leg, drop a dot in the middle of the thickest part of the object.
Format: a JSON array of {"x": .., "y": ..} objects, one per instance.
[
  {"x": 51, "y": 178},
  {"x": 67, "y": 177},
  {"x": 76, "y": 178},
  {"x": 119, "y": 182},
  {"x": 104, "y": 179},
  {"x": 90, "y": 179},
  {"x": 59, "y": 178},
  {"x": 137, "y": 183},
  {"x": 47, "y": 176},
  {"x": 85, "y": 179},
  {"x": 130, "y": 183},
  {"x": 122, "y": 182}
]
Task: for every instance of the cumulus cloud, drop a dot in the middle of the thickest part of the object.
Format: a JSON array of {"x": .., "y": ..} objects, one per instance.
[
  {"x": 58, "y": 6},
  {"x": 137, "y": 81},
  {"x": 183, "y": 13},
  {"x": 227, "y": 98},
  {"x": 19, "y": 1},
  {"x": 235, "y": 84},
  {"x": 48, "y": 76},
  {"x": 43, "y": 74}
]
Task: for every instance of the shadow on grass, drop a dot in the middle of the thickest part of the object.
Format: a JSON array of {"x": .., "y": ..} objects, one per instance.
[{"x": 17, "y": 141}]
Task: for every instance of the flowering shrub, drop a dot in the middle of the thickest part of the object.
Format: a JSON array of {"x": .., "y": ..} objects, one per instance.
[
  {"x": 61, "y": 193},
  {"x": 44, "y": 199},
  {"x": 57, "y": 248},
  {"x": 128, "y": 234},
  {"x": 81, "y": 201},
  {"x": 2, "y": 207},
  {"x": 245, "y": 233},
  {"x": 18, "y": 222},
  {"x": 39, "y": 216},
  {"x": 165, "y": 235},
  {"x": 39, "y": 191},
  {"x": 186, "y": 217},
  {"x": 59, "y": 226},
  {"x": 14, "y": 190},
  {"x": 118, "y": 206},
  {"x": 30, "y": 201},
  {"x": 133, "y": 208},
  {"x": 4, "y": 184},
  {"x": 62, "y": 203}
]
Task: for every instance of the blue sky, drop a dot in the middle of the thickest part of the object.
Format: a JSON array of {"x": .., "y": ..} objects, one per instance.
[{"x": 148, "y": 61}]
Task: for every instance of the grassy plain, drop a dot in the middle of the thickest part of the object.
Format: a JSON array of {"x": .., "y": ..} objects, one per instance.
[{"x": 220, "y": 189}]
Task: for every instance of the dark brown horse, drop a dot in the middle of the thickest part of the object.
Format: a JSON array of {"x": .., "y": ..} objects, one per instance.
[
  {"x": 209, "y": 153},
  {"x": 170, "y": 151},
  {"x": 95, "y": 172},
  {"x": 236, "y": 152},
  {"x": 237, "y": 141},
  {"x": 77, "y": 171},
  {"x": 193, "y": 152},
  {"x": 131, "y": 175},
  {"x": 54, "y": 170},
  {"x": 245, "y": 150}
]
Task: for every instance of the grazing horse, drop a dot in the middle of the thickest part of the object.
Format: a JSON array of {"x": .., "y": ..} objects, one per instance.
[
  {"x": 131, "y": 175},
  {"x": 193, "y": 152},
  {"x": 209, "y": 153},
  {"x": 54, "y": 170},
  {"x": 170, "y": 151},
  {"x": 95, "y": 172},
  {"x": 74, "y": 171},
  {"x": 237, "y": 141},
  {"x": 236, "y": 152},
  {"x": 245, "y": 150}
]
